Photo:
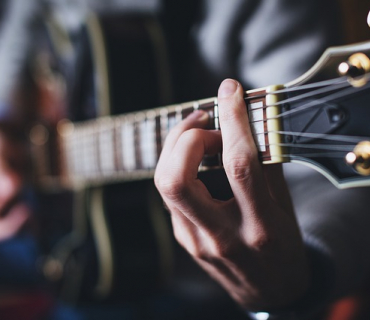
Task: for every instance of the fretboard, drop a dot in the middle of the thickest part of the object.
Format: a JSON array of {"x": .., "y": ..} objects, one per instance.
[{"x": 127, "y": 147}]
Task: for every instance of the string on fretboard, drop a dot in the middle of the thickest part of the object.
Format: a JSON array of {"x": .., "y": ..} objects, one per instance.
[{"x": 127, "y": 147}]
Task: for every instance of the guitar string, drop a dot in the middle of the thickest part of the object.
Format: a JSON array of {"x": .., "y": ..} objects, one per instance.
[
  {"x": 307, "y": 155},
  {"x": 304, "y": 96},
  {"x": 337, "y": 148},
  {"x": 331, "y": 85},
  {"x": 341, "y": 150},
  {"x": 296, "y": 88},
  {"x": 338, "y": 82},
  {"x": 331, "y": 97},
  {"x": 316, "y": 103},
  {"x": 324, "y": 136}
]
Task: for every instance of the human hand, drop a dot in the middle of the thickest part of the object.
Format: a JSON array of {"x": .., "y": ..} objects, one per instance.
[{"x": 250, "y": 243}]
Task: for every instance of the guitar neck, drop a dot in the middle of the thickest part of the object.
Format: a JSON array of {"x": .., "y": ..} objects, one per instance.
[{"x": 127, "y": 147}]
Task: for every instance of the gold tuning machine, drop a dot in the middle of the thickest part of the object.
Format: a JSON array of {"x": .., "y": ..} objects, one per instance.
[
  {"x": 355, "y": 68},
  {"x": 359, "y": 158}
]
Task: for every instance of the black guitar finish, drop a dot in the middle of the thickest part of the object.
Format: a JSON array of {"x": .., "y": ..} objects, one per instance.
[
  {"x": 79, "y": 248},
  {"x": 345, "y": 119}
]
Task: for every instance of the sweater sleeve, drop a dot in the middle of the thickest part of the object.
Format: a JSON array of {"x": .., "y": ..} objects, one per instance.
[
  {"x": 335, "y": 225},
  {"x": 263, "y": 42}
]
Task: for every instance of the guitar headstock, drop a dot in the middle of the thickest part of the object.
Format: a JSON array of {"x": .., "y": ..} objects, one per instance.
[{"x": 326, "y": 116}]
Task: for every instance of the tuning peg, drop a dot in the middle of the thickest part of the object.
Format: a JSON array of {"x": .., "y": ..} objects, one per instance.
[
  {"x": 359, "y": 158},
  {"x": 349, "y": 70},
  {"x": 355, "y": 68},
  {"x": 368, "y": 19}
]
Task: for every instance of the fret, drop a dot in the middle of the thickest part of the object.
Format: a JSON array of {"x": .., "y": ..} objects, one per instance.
[
  {"x": 163, "y": 119},
  {"x": 172, "y": 120},
  {"x": 216, "y": 117},
  {"x": 89, "y": 151},
  {"x": 139, "y": 153},
  {"x": 148, "y": 141},
  {"x": 141, "y": 139},
  {"x": 178, "y": 114},
  {"x": 118, "y": 124},
  {"x": 256, "y": 119},
  {"x": 106, "y": 152},
  {"x": 70, "y": 152},
  {"x": 158, "y": 135},
  {"x": 187, "y": 109},
  {"x": 71, "y": 147},
  {"x": 128, "y": 143},
  {"x": 211, "y": 107},
  {"x": 207, "y": 104},
  {"x": 79, "y": 152},
  {"x": 89, "y": 166}
]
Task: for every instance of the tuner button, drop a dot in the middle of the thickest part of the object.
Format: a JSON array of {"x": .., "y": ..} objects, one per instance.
[
  {"x": 343, "y": 68},
  {"x": 351, "y": 158},
  {"x": 349, "y": 70},
  {"x": 359, "y": 159},
  {"x": 357, "y": 65}
]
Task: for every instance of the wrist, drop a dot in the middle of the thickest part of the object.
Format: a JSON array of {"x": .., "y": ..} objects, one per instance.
[
  {"x": 317, "y": 296},
  {"x": 270, "y": 316}
]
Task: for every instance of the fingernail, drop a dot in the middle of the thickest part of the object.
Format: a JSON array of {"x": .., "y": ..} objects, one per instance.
[
  {"x": 227, "y": 88},
  {"x": 199, "y": 115}
]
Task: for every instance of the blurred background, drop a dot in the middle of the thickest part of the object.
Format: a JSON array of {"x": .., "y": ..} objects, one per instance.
[{"x": 100, "y": 252}]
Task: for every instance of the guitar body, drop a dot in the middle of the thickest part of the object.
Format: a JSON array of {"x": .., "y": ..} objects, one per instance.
[
  {"x": 135, "y": 46},
  {"x": 111, "y": 242}
]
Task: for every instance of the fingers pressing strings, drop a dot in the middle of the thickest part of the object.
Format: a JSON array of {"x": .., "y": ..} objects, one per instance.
[
  {"x": 239, "y": 151},
  {"x": 179, "y": 183}
]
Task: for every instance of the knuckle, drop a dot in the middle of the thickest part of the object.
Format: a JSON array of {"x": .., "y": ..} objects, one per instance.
[
  {"x": 219, "y": 252},
  {"x": 222, "y": 248},
  {"x": 260, "y": 242},
  {"x": 169, "y": 187},
  {"x": 179, "y": 238},
  {"x": 227, "y": 250},
  {"x": 182, "y": 129},
  {"x": 193, "y": 248},
  {"x": 199, "y": 254},
  {"x": 191, "y": 135},
  {"x": 239, "y": 168}
]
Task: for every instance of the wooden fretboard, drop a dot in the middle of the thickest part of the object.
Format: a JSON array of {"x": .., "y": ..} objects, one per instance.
[{"x": 127, "y": 147}]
